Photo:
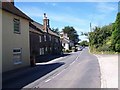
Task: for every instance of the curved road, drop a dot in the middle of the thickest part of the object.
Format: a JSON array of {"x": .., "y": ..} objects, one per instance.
[{"x": 80, "y": 70}]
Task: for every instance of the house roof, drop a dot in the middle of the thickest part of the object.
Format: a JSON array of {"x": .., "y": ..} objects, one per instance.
[
  {"x": 37, "y": 30},
  {"x": 9, "y": 7},
  {"x": 40, "y": 26}
]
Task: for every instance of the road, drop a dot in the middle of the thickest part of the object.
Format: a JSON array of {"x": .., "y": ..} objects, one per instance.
[{"x": 78, "y": 70}]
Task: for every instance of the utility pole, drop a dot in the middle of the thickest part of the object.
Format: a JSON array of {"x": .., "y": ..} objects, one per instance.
[
  {"x": 119, "y": 7},
  {"x": 90, "y": 27}
]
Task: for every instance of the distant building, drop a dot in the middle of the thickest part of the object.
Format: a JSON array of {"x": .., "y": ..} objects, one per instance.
[
  {"x": 65, "y": 41},
  {"x": 71, "y": 44},
  {"x": 43, "y": 41},
  {"x": 15, "y": 37}
]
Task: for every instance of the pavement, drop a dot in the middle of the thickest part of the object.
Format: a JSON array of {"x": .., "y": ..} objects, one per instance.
[
  {"x": 75, "y": 70},
  {"x": 109, "y": 70}
]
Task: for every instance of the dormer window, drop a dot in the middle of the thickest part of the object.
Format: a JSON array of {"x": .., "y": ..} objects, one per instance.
[{"x": 16, "y": 26}]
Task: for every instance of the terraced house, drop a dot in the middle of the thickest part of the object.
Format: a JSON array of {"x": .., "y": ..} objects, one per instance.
[
  {"x": 43, "y": 41},
  {"x": 15, "y": 37},
  {"x": 23, "y": 38}
]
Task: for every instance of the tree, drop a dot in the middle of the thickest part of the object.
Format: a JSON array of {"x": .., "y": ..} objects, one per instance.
[
  {"x": 84, "y": 33},
  {"x": 72, "y": 34},
  {"x": 106, "y": 38},
  {"x": 56, "y": 30},
  {"x": 100, "y": 38},
  {"x": 84, "y": 43},
  {"x": 116, "y": 35}
]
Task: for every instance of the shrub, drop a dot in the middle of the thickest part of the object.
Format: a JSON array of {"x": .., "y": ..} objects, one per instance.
[{"x": 117, "y": 47}]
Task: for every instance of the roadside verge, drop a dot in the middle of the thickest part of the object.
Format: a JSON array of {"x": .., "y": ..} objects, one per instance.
[{"x": 109, "y": 70}]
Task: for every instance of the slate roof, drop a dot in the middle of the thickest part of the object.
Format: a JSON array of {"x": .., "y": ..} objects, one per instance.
[
  {"x": 9, "y": 7},
  {"x": 40, "y": 26}
]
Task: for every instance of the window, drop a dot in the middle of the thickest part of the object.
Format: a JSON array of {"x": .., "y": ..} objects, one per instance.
[
  {"x": 16, "y": 26},
  {"x": 40, "y": 51},
  {"x": 50, "y": 38},
  {"x": 40, "y": 39},
  {"x": 50, "y": 49},
  {"x": 17, "y": 55},
  {"x": 46, "y": 49},
  {"x": 44, "y": 37},
  {"x": 56, "y": 40}
]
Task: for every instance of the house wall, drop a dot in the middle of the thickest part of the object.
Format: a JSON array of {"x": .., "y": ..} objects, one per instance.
[
  {"x": 66, "y": 46},
  {"x": 0, "y": 40},
  {"x": 12, "y": 40},
  {"x": 53, "y": 47},
  {"x": 0, "y": 48},
  {"x": 57, "y": 47},
  {"x": 35, "y": 43}
]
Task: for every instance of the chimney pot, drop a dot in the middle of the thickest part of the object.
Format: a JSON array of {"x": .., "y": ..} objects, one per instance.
[{"x": 45, "y": 17}]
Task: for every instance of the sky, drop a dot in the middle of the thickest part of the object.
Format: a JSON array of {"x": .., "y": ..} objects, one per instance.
[{"x": 76, "y": 14}]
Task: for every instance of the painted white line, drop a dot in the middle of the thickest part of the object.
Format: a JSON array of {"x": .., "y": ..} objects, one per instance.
[
  {"x": 48, "y": 80},
  {"x": 72, "y": 63},
  {"x": 58, "y": 73},
  {"x": 74, "y": 60}
]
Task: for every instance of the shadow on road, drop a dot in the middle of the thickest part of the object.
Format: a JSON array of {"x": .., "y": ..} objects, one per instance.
[
  {"x": 21, "y": 78},
  {"x": 46, "y": 58}
]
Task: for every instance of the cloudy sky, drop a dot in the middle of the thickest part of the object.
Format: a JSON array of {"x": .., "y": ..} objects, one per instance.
[{"x": 76, "y": 14}]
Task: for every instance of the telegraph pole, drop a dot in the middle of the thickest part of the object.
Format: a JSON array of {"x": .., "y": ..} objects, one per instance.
[
  {"x": 119, "y": 7},
  {"x": 90, "y": 27}
]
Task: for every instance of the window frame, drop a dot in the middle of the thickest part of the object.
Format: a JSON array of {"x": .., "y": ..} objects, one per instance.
[
  {"x": 50, "y": 37},
  {"x": 40, "y": 51},
  {"x": 43, "y": 52},
  {"x": 40, "y": 38},
  {"x": 16, "y": 62},
  {"x": 46, "y": 49},
  {"x": 45, "y": 38},
  {"x": 16, "y": 21}
]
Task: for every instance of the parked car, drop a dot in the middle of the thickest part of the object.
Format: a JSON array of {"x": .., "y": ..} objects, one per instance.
[{"x": 80, "y": 48}]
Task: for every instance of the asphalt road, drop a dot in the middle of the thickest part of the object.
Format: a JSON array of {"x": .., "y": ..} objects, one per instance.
[{"x": 77, "y": 70}]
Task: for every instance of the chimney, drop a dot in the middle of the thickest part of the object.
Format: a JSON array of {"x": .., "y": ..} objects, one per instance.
[
  {"x": 45, "y": 23},
  {"x": 48, "y": 24},
  {"x": 12, "y": 1}
]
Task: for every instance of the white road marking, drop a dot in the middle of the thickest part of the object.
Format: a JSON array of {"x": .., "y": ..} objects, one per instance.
[
  {"x": 74, "y": 60},
  {"x": 63, "y": 69},
  {"x": 48, "y": 80},
  {"x": 59, "y": 73}
]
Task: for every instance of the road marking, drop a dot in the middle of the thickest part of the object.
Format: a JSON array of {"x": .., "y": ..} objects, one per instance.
[
  {"x": 48, "y": 80},
  {"x": 63, "y": 69},
  {"x": 75, "y": 60},
  {"x": 72, "y": 62},
  {"x": 58, "y": 73}
]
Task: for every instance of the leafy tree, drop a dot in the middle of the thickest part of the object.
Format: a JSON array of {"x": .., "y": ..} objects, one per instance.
[
  {"x": 85, "y": 34},
  {"x": 56, "y": 30},
  {"x": 116, "y": 35},
  {"x": 100, "y": 38},
  {"x": 106, "y": 38},
  {"x": 72, "y": 34},
  {"x": 84, "y": 43}
]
